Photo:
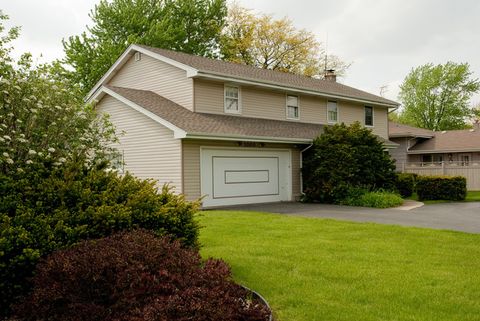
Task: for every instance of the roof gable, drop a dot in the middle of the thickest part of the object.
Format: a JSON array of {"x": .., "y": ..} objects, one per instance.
[
  {"x": 401, "y": 130},
  {"x": 467, "y": 140},
  {"x": 197, "y": 66}
]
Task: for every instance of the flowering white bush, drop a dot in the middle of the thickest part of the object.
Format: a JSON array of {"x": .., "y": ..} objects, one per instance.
[{"x": 42, "y": 117}]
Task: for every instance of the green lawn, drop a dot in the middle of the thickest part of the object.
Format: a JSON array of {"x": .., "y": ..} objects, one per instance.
[
  {"x": 472, "y": 196},
  {"x": 318, "y": 269}
]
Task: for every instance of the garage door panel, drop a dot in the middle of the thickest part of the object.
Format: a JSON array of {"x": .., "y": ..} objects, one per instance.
[
  {"x": 244, "y": 176},
  {"x": 241, "y": 176},
  {"x": 247, "y": 176}
]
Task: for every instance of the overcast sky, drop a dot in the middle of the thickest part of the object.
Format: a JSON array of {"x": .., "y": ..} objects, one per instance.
[{"x": 383, "y": 39}]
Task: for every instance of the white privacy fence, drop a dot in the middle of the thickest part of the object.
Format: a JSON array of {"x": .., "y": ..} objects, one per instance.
[{"x": 469, "y": 170}]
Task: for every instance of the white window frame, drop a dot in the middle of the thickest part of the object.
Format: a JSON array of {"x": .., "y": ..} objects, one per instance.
[
  {"x": 239, "y": 99},
  {"x": 328, "y": 117},
  {"x": 287, "y": 106},
  {"x": 138, "y": 56},
  {"x": 365, "y": 116}
]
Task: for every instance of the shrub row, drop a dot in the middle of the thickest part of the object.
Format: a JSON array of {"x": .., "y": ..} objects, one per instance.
[
  {"x": 136, "y": 276},
  {"x": 405, "y": 183},
  {"x": 377, "y": 199},
  {"x": 52, "y": 209},
  {"x": 441, "y": 188}
]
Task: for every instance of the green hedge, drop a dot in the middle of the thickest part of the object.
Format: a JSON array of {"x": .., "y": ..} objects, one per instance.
[
  {"x": 441, "y": 188},
  {"x": 405, "y": 183},
  {"x": 378, "y": 199},
  {"x": 51, "y": 209}
]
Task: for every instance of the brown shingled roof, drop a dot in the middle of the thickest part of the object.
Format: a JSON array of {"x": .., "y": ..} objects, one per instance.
[
  {"x": 245, "y": 72},
  {"x": 401, "y": 130},
  {"x": 213, "y": 124},
  {"x": 450, "y": 141}
]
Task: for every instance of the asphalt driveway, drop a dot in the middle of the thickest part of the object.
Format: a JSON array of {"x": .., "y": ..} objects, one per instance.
[{"x": 463, "y": 217}]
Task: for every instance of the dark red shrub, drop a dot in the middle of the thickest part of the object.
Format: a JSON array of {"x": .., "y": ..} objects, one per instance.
[{"x": 135, "y": 276}]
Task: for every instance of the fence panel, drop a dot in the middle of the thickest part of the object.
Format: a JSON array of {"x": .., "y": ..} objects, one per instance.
[{"x": 470, "y": 171}]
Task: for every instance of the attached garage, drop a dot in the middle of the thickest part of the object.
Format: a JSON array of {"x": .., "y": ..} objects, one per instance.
[{"x": 241, "y": 176}]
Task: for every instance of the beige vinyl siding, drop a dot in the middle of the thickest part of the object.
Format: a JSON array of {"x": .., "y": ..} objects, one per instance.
[
  {"x": 191, "y": 165},
  {"x": 399, "y": 154},
  {"x": 257, "y": 102},
  {"x": 151, "y": 74},
  {"x": 349, "y": 113},
  {"x": 149, "y": 149},
  {"x": 263, "y": 103},
  {"x": 209, "y": 96},
  {"x": 380, "y": 121}
]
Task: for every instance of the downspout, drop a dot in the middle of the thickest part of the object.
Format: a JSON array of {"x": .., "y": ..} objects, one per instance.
[{"x": 301, "y": 167}]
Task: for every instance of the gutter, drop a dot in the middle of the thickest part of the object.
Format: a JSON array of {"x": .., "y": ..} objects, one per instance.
[
  {"x": 273, "y": 85},
  {"x": 249, "y": 138},
  {"x": 433, "y": 151}
]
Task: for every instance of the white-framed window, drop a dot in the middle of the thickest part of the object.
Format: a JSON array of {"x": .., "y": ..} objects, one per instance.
[
  {"x": 332, "y": 112},
  {"x": 292, "y": 107},
  {"x": 465, "y": 159},
  {"x": 117, "y": 161},
  {"x": 232, "y": 99},
  {"x": 368, "y": 116},
  {"x": 138, "y": 56}
]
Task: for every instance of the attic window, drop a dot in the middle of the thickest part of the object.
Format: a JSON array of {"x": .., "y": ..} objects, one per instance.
[
  {"x": 332, "y": 111},
  {"x": 232, "y": 100},
  {"x": 292, "y": 107},
  {"x": 368, "y": 116},
  {"x": 138, "y": 56}
]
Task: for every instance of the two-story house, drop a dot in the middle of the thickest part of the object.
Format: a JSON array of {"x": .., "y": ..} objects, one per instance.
[{"x": 229, "y": 132}]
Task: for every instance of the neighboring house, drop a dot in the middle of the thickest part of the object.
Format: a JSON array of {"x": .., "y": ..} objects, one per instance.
[
  {"x": 423, "y": 147},
  {"x": 452, "y": 152},
  {"x": 229, "y": 132}
]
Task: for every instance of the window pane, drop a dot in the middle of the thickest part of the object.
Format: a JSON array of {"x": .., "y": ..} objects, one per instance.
[
  {"x": 368, "y": 116},
  {"x": 231, "y": 104},
  {"x": 332, "y": 111},
  {"x": 292, "y": 112},
  {"x": 292, "y": 101},
  {"x": 231, "y": 92},
  {"x": 427, "y": 158}
]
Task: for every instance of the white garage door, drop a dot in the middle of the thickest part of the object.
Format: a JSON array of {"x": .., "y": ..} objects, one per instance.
[{"x": 230, "y": 177}]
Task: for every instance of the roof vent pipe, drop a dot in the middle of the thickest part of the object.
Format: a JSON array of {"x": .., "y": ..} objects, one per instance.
[{"x": 330, "y": 75}]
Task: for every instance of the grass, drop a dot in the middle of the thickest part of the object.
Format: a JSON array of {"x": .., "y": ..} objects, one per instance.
[
  {"x": 472, "y": 196},
  {"x": 316, "y": 269}
]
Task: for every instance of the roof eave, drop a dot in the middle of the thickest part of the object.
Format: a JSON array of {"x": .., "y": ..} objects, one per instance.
[
  {"x": 177, "y": 131},
  {"x": 409, "y": 136},
  {"x": 437, "y": 151},
  {"x": 264, "y": 139}
]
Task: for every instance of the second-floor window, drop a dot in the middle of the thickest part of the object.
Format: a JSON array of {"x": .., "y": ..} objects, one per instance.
[
  {"x": 292, "y": 107},
  {"x": 332, "y": 112},
  {"x": 368, "y": 116},
  {"x": 232, "y": 99}
]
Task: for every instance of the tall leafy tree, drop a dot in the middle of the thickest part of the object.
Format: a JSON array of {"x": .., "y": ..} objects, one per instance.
[
  {"x": 191, "y": 26},
  {"x": 437, "y": 97},
  {"x": 264, "y": 42}
]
